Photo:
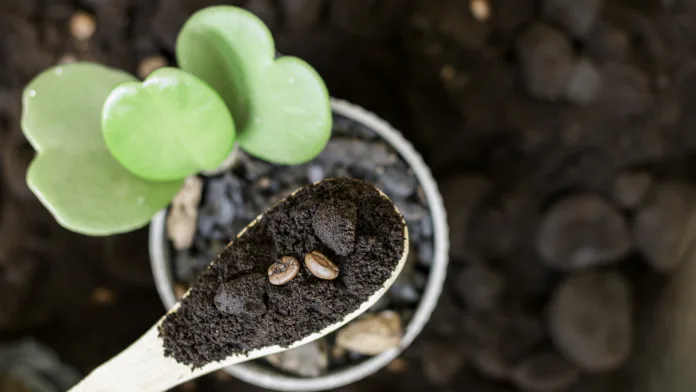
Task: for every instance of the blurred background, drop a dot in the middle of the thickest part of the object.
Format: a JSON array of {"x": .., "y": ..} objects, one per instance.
[{"x": 529, "y": 112}]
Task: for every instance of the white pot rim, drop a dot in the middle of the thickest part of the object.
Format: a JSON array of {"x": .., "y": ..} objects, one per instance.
[{"x": 267, "y": 378}]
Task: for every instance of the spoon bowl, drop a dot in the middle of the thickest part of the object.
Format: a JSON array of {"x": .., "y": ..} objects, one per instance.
[{"x": 144, "y": 367}]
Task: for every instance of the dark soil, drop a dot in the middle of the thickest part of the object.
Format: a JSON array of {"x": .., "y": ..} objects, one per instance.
[
  {"x": 233, "y": 308},
  {"x": 509, "y": 136}
]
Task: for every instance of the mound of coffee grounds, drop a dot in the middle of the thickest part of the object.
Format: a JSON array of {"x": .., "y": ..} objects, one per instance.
[{"x": 233, "y": 308}]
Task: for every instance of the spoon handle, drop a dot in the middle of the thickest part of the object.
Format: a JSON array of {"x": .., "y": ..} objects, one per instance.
[{"x": 141, "y": 367}]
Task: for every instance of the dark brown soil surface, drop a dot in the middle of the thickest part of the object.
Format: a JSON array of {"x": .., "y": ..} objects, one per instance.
[{"x": 541, "y": 106}]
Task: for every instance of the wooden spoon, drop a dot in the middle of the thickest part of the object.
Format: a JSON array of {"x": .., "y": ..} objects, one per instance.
[{"x": 143, "y": 367}]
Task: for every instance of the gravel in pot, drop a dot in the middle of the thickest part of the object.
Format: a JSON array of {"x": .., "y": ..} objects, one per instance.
[{"x": 214, "y": 208}]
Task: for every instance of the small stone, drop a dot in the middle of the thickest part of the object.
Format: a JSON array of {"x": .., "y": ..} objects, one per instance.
[
  {"x": 582, "y": 231},
  {"x": 181, "y": 220},
  {"x": 626, "y": 89},
  {"x": 461, "y": 195},
  {"x": 150, "y": 64},
  {"x": 302, "y": 15},
  {"x": 546, "y": 58},
  {"x": 334, "y": 224},
  {"x": 308, "y": 360},
  {"x": 590, "y": 320},
  {"x": 315, "y": 173},
  {"x": 480, "y": 9},
  {"x": 372, "y": 334},
  {"x": 179, "y": 291},
  {"x": 102, "y": 296},
  {"x": 397, "y": 181},
  {"x": 67, "y": 59},
  {"x": 82, "y": 25},
  {"x": 254, "y": 168},
  {"x": 426, "y": 253},
  {"x": 480, "y": 287},
  {"x": 283, "y": 271},
  {"x": 338, "y": 353},
  {"x": 584, "y": 83},
  {"x": 381, "y": 304},
  {"x": 360, "y": 153},
  {"x": 545, "y": 372},
  {"x": 662, "y": 226},
  {"x": 399, "y": 365},
  {"x": 442, "y": 361},
  {"x": 577, "y": 16},
  {"x": 609, "y": 43},
  {"x": 403, "y": 293},
  {"x": 188, "y": 266},
  {"x": 490, "y": 364},
  {"x": 448, "y": 72},
  {"x": 233, "y": 297},
  {"x": 222, "y": 376},
  {"x": 320, "y": 266},
  {"x": 631, "y": 188}
]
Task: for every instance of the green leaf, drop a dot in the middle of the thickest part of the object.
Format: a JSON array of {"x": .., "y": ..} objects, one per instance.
[
  {"x": 171, "y": 126},
  {"x": 74, "y": 174},
  {"x": 281, "y": 107},
  {"x": 91, "y": 193}
]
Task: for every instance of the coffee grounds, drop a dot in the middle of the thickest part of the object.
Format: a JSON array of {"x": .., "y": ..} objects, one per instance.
[{"x": 231, "y": 309}]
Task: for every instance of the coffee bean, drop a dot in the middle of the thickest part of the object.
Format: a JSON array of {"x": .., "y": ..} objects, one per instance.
[
  {"x": 320, "y": 266},
  {"x": 283, "y": 271}
]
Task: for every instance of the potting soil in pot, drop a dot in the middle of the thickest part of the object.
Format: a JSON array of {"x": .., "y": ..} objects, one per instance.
[
  {"x": 354, "y": 238},
  {"x": 229, "y": 201}
]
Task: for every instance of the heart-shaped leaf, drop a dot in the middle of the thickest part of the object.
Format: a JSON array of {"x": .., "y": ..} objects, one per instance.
[
  {"x": 281, "y": 107},
  {"x": 169, "y": 127},
  {"x": 74, "y": 174}
]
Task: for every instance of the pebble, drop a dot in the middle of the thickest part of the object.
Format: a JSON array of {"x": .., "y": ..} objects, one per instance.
[
  {"x": 403, "y": 293},
  {"x": 480, "y": 287},
  {"x": 397, "y": 181},
  {"x": 150, "y": 64},
  {"x": 545, "y": 372},
  {"x": 254, "y": 168},
  {"x": 480, "y": 9},
  {"x": 335, "y": 226},
  {"x": 462, "y": 195},
  {"x": 102, "y": 296},
  {"x": 399, "y": 365},
  {"x": 182, "y": 217},
  {"x": 662, "y": 226},
  {"x": 590, "y": 320},
  {"x": 546, "y": 58},
  {"x": 584, "y": 83},
  {"x": 426, "y": 253},
  {"x": 576, "y": 16},
  {"x": 356, "y": 152},
  {"x": 581, "y": 231},
  {"x": 442, "y": 361},
  {"x": 82, "y": 26},
  {"x": 309, "y": 360},
  {"x": 301, "y": 15},
  {"x": 188, "y": 266},
  {"x": 372, "y": 334},
  {"x": 315, "y": 173},
  {"x": 631, "y": 188},
  {"x": 609, "y": 43},
  {"x": 229, "y": 298},
  {"x": 626, "y": 89},
  {"x": 490, "y": 364}
]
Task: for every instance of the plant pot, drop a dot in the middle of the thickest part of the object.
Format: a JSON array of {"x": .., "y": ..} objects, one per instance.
[{"x": 260, "y": 374}]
